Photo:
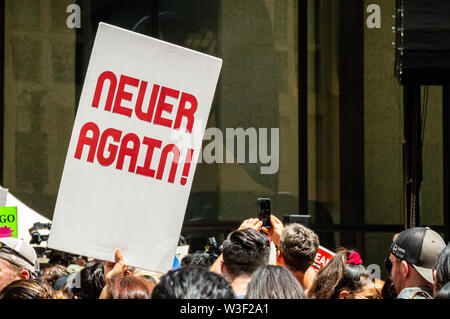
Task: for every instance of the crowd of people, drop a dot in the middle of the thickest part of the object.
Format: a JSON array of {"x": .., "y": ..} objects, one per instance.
[{"x": 418, "y": 267}]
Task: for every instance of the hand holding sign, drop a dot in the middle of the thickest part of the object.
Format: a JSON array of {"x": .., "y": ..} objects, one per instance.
[{"x": 113, "y": 271}]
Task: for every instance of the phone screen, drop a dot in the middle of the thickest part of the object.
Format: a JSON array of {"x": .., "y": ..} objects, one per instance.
[{"x": 264, "y": 211}]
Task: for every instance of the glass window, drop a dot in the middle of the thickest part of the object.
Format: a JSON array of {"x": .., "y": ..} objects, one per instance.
[
  {"x": 252, "y": 144},
  {"x": 355, "y": 127},
  {"x": 39, "y": 99}
]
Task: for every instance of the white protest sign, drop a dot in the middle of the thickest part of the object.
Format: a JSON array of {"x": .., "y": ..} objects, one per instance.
[
  {"x": 3, "y": 196},
  {"x": 128, "y": 171}
]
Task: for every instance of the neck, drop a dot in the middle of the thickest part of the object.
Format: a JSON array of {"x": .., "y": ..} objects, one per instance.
[
  {"x": 300, "y": 276},
  {"x": 240, "y": 284},
  {"x": 416, "y": 282}
]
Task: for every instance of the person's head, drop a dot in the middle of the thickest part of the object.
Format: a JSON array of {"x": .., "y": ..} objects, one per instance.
[
  {"x": 344, "y": 277},
  {"x": 130, "y": 287},
  {"x": 298, "y": 247},
  {"x": 90, "y": 281},
  {"x": 18, "y": 260},
  {"x": 442, "y": 270},
  {"x": 444, "y": 292},
  {"x": 199, "y": 258},
  {"x": 192, "y": 283},
  {"x": 53, "y": 273},
  {"x": 274, "y": 282},
  {"x": 29, "y": 289},
  {"x": 244, "y": 251},
  {"x": 413, "y": 255}
]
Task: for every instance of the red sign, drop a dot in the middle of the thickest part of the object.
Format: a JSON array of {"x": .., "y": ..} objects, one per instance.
[{"x": 322, "y": 258}]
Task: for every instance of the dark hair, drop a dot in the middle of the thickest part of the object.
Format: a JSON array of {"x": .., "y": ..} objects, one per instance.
[
  {"x": 337, "y": 276},
  {"x": 443, "y": 268},
  {"x": 388, "y": 290},
  {"x": 192, "y": 283},
  {"x": 130, "y": 287},
  {"x": 444, "y": 292},
  {"x": 244, "y": 251},
  {"x": 274, "y": 282},
  {"x": 29, "y": 289},
  {"x": 199, "y": 258},
  {"x": 91, "y": 281},
  {"x": 52, "y": 274},
  {"x": 298, "y": 247}
]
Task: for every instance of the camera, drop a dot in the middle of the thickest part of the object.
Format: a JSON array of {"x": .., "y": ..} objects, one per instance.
[{"x": 36, "y": 236}]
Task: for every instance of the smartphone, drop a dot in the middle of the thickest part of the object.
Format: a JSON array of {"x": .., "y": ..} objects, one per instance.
[{"x": 264, "y": 211}]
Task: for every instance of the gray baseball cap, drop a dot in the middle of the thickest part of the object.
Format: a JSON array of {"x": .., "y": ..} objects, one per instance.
[
  {"x": 420, "y": 247},
  {"x": 20, "y": 253}
]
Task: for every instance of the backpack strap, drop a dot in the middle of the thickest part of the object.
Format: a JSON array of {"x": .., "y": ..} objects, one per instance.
[{"x": 421, "y": 292}]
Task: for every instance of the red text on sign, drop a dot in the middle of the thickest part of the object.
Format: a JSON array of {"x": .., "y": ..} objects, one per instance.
[
  {"x": 159, "y": 110},
  {"x": 119, "y": 146}
]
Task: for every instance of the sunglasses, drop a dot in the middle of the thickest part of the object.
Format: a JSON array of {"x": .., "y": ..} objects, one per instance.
[{"x": 4, "y": 247}]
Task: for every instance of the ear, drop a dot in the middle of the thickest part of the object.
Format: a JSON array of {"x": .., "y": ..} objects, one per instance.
[
  {"x": 343, "y": 294},
  {"x": 24, "y": 274},
  {"x": 224, "y": 272},
  {"x": 435, "y": 289},
  {"x": 405, "y": 268},
  {"x": 222, "y": 267}
]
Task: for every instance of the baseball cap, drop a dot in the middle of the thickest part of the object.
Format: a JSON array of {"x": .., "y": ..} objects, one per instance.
[
  {"x": 20, "y": 253},
  {"x": 420, "y": 247}
]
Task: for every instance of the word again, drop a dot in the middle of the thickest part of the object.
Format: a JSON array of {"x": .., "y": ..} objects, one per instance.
[{"x": 119, "y": 146}]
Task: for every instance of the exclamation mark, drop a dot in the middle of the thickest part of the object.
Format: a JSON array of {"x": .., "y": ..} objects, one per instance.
[{"x": 187, "y": 166}]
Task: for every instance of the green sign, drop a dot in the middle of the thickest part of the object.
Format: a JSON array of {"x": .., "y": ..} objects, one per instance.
[{"x": 8, "y": 222}]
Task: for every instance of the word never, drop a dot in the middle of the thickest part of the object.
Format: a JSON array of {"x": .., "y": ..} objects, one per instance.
[{"x": 158, "y": 101}]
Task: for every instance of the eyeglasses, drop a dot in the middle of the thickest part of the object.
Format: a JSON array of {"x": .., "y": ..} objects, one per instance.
[{"x": 12, "y": 251}]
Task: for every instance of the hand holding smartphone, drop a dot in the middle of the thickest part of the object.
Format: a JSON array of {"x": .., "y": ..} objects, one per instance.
[{"x": 264, "y": 211}]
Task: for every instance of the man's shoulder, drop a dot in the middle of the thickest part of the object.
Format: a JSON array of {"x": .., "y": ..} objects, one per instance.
[{"x": 415, "y": 293}]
